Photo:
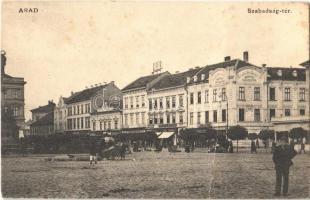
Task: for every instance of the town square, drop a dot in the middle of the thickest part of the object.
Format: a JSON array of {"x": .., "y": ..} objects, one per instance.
[{"x": 167, "y": 100}]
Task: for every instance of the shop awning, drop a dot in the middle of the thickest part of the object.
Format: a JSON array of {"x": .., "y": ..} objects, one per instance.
[{"x": 166, "y": 135}]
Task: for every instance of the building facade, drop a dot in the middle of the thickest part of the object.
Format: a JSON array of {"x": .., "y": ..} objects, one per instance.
[
  {"x": 135, "y": 100},
  {"x": 60, "y": 116},
  {"x": 43, "y": 120},
  {"x": 12, "y": 103},
  {"x": 81, "y": 105}
]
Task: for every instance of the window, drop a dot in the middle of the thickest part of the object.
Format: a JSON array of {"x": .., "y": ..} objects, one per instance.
[
  {"x": 191, "y": 98},
  {"x": 87, "y": 122},
  {"x": 131, "y": 102},
  {"x": 82, "y": 109},
  {"x": 207, "y": 117},
  {"x": 143, "y": 118},
  {"x": 74, "y": 111},
  {"x": 126, "y": 119},
  {"x": 78, "y": 123},
  {"x": 272, "y": 94},
  {"x": 142, "y": 101},
  {"x": 191, "y": 118},
  {"x": 69, "y": 124},
  {"x": 181, "y": 101},
  {"x": 167, "y": 102},
  {"x": 161, "y": 103},
  {"x": 5, "y": 93},
  {"x": 137, "y": 118},
  {"x": 109, "y": 125},
  {"x": 126, "y": 102},
  {"x": 100, "y": 125},
  {"x": 16, "y": 111},
  {"x": 214, "y": 95},
  {"x": 241, "y": 93},
  {"x": 94, "y": 125},
  {"x": 223, "y": 94},
  {"x": 173, "y": 118},
  {"x": 173, "y": 101},
  {"x": 199, "y": 97},
  {"x": 105, "y": 125},
  {"x": 302, "y": 93},
  {"x": 302, "y": 112},
  {"x": 241, "y": 114},
  {"x": 214, "y": 116},
  {"x": 150, "y": 104},
  {"x": 156, "y": 119},
  {"x": 151, "y": 120},
  {"x": 69, "y": 111},
  {"x": 161, "y": 119},
  {"x": 256, "y": 93},
  {"x": 206, "y": 96},
  {"x": 137, "y": 101},
  {"x": 224, "y": 115},
  {"x": 198, "y": 117},
  {"x": 257, "y": 115},
  {"x": 168, "y": 118},
  {"x": 155, "y": 103},
  {"x": 82, "y": 122},
  {"x": 131, "y": 119},
  {"x": 181, "y": 118},
  {"x": 115, "y": 124},
  {"x": 287, "y": 112},
  {"x": 287, "y": 94},
  {"x": 272, "y": 113},
  {"x": 74, "y": 123}
]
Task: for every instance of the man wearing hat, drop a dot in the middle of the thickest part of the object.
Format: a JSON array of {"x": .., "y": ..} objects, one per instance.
[{"x": 282, "y": 158}]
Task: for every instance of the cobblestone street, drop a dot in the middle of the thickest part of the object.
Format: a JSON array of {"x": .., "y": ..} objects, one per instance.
[{"x": 153, "y": 175}]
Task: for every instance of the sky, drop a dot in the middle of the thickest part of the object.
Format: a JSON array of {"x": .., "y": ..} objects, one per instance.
[{"x": 68, "y": 45}]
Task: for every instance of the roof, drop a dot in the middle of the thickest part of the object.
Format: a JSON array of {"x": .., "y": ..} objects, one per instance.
[
  {"x": 141, "y": 82},
  {"x": 45, "y": 109},
  {"x": 286, "y": 74},
  {"x": 305, "y": 64},
  {"x": 48, "y": 119},
  {"x": 235, "y": 62},
  {"x": 84, "y": 94},
  {"x": 174, "y": 80}
]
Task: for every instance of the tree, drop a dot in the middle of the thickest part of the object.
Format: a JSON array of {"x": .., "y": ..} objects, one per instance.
[
  {"x": 297, "y": 133},
  {"x": 265, "y": 135},
  {"x": 237, "y": 133},
  {"x": 252, "y": 136}
]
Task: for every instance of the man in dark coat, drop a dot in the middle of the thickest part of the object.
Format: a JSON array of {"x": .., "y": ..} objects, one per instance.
[{"x": 282, "y": 158}]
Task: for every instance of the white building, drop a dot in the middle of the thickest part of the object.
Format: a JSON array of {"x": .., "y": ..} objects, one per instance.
[
  {"x": 135, "y": 108},
  {"x": 60, "y": 116}
]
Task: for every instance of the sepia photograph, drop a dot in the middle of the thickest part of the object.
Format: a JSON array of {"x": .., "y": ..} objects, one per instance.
[{"x": 155, "y": 99}]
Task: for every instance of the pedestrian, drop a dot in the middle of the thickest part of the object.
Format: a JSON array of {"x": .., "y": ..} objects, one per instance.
[
  {"x": 282, "y": 158},
  {"x": 257, "y": 143},
  {"x": 302, "y": 148},
  {"x": 93, "y": 153},
  {"x": 231, "y": 147},
  {"x": 273, "y": 146},
  {"x": 253, "y": 147}
]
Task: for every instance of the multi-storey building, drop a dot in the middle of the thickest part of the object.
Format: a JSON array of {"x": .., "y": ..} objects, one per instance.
[
  {"x": 60, "y": 116},
  {"x": 12, "y": 103},
  {"x": 43, "y": 119},
  {"x": 167, "y": 104},
  {"x": 135, "y": 108},
  {"x": 81, "y": 105}
]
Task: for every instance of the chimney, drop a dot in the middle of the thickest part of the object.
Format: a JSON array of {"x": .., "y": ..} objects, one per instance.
[
  {"x": 263, "y": 65},
  {"x": 72, "y": 93},
  {"x": 246, "y": 56},
  {"x": 50, "y": 102},
  {"x": 227, "y": 58}
]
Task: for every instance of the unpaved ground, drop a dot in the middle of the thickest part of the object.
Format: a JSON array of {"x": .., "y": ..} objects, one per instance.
[{"x": 153, "y": 175}]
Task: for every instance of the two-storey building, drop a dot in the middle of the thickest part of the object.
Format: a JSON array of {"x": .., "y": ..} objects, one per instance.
[{"x": 43, "y": 119}]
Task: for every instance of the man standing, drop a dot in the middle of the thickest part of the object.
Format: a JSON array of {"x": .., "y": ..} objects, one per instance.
[{"x": 282, "y": 158}]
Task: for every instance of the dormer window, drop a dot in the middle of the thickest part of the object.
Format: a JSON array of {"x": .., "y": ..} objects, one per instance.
[
  {"x": 202, "y": 77},
  {"x": 294, "y": 73},
  {"x": 188, "y": 79},
  {"x": 279, "y": 72},
  {"x": 195, "y": 78}
]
